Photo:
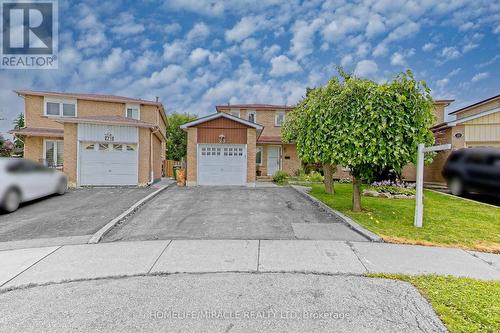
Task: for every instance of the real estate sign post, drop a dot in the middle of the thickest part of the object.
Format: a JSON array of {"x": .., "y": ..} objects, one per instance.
[{"x": 419, "y": 198}]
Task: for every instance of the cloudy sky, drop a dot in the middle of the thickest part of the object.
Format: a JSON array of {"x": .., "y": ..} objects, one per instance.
[{"x": 195, "y": 54}]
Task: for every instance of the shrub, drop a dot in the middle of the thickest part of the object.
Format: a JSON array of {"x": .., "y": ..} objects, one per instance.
[
  {"x": 280, "y": 176},
  {"x": 315, "y": 176}
]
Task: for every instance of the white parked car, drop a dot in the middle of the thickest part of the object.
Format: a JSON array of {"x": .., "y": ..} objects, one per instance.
[{"x": 24, "y": 180}]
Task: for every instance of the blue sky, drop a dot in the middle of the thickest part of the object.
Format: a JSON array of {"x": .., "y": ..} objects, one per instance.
[{"x": 195, "y": 54}]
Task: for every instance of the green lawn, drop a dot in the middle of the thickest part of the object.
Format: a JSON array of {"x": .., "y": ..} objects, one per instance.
[
  {"x": 464, "y": 305},
  {"x": 448, "y": 221}
]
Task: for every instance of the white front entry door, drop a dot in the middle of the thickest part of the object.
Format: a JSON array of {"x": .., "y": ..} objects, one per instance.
[
  {"x": 108, "y": 164},
  {"x": 273, "y": 159},
  {"x": 221, "y": 164}
]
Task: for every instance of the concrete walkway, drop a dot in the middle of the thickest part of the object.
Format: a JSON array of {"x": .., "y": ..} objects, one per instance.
[{"x": 89, "y": 261}]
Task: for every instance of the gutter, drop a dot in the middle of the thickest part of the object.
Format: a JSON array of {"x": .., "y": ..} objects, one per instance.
[{"x": 151, "y": 162}]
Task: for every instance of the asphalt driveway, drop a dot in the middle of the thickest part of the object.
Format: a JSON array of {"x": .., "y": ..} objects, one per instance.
[
  {"x": 78, "y": 212},
  {"x": 232, "y": 213}
]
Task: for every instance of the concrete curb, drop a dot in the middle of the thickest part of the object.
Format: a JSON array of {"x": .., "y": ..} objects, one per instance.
[
  {"x": 350, "y": 222},
  {"x": 96, "y": 238}
]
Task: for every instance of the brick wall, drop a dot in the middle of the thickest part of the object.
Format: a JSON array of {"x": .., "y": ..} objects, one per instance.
[
  {"x": 251, "y": 145},
  {"x": 191, "y": 156},
  {"x": 293, "y": 164},
  {"x": 70, "y": 153},
  {"x": 144, "y": 157}
]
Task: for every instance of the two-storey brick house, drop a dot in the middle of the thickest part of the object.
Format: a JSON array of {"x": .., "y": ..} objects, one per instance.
[
  {"x": 95, "y": 139},
  {"x": 238, "y": 144}
]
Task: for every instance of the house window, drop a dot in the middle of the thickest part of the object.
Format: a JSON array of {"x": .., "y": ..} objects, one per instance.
[
  {"x": 235, "y": 113},
  {"x": 132, "y": 112},
  {"x": 53, "y": 153},
  {"x": 258, "y": 156},
  {"x": 279, "y": 118},
  {"x": 252, "y": 117},
  {"x": 60, "y": 108}
]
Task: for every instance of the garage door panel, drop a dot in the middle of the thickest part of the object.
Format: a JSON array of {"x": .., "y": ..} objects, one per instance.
[
  {"x": 107, "y": 167},
  {"x": 222, "y": 164}
]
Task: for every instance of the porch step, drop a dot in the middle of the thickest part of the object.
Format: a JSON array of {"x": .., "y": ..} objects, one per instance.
[{"x": 264, "y": 178}]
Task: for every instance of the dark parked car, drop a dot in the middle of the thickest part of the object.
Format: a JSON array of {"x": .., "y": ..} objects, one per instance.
[{"x": 473, "y": 170}]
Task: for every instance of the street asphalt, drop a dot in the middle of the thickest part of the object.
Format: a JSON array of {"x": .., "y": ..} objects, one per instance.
[
  {"x": 76, "y": 213},
  {"x": 226, "y": 302},
  {"x": 232, "y": 213}
]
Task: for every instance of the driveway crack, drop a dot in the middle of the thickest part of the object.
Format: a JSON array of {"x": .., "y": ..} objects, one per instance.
[{"x": 351, "y": 246}]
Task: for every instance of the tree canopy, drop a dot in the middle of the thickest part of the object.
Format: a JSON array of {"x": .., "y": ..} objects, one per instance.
[
  {"x": 176, "y": 143},
  {"x": 363, "y": 125}
]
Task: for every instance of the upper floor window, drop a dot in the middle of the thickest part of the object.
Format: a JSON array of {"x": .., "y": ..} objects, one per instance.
[
  {"x": 279, "y": 118},
  {"x": 60, "y": 108},
  {"x": 132, "y": 111},
  {"x": 235, "y": 113},
  {"x": 252, "y": 116}
]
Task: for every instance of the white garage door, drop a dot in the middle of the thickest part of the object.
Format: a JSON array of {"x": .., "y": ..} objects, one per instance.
[
  {"x": 222, "y": 164},
  {"x": 108, "y": 164}
]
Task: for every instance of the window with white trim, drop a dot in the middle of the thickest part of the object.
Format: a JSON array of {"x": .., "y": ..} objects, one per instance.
[
  {"x": 258, "y": 156},
  {"x": 62, "y": 108},
  {"x": 54, "y": 153},
  {"x": 132, "y": 111},
  {"x": 279, "y": 118},
  {"x": 252, "y": 116},
  {"x": 235, "y": 113}
]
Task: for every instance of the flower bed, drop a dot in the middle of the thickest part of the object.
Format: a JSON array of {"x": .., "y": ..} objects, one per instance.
[{"x": 389, "y": 189}]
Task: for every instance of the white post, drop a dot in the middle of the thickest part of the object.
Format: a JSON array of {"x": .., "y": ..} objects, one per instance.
[{"x": 419, "y": 202}]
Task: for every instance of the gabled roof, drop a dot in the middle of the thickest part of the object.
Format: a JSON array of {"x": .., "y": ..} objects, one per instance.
[
  {"x": 476, "y": 104},
  {"x": 254, "y": 106},
  {"x": 221, "y": 115}
]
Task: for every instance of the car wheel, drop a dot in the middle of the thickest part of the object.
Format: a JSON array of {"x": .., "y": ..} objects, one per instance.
[
  {"x": 62, "y": 187},
  {"x": 11, "y": 200},
  {"x": 456, "y": 186}
]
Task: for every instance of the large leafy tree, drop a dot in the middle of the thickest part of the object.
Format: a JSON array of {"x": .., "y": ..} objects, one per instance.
[
  {"x": 304, "y": 119},
  {"x": 365, "y": 126},
  {"x": 176, "y": 143}
]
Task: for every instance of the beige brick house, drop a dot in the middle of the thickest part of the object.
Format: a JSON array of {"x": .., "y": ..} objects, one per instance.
[
  {"x": 239, "y": 144},
  {"x": 95, "y": 139},
  {"x": 476, "y": 125}
]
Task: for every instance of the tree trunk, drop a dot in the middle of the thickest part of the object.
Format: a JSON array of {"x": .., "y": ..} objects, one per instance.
[
  {"x": 328, "y": 170},
  {"x": 356, "y": 194}
]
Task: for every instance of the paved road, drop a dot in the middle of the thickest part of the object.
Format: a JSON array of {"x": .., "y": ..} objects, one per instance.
[
  {"x": 232, "y": 213},
  {"x": 229, "y": 302},
  {"x": 78, "y": 212}
]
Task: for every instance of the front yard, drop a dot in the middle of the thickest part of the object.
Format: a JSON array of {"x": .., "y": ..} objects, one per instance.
[{"x": 448, "y": 221}]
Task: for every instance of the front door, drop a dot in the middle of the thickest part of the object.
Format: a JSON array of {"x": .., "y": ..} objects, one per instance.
[{"x": 273, "y": 159}]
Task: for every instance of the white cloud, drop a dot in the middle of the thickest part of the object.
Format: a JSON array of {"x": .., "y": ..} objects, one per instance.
[
  {"x": 480, "y": 76},
  {"x": 466, "y": 26},
  {"x": 199, "y": 55},
  {"x": 147, "y": 59},
  {"x": 339, "y": 29},
  {"x": 200, "y": 31},
  {"x": 428, "y": 47},
  {"x": 174, "y": 52},
  {"x": 397, "y": 59},
  {"x": 366, "y": 68},
  {"x": 449, "y": 53},
  {"x": 244, "y": 28},
  {"x": 171, "y": 29},
  {"x": 271, "y": 51},
  {"x": 128, "y": 29},
  {"x": 346, "y": 60},
  {"x": 404, "y": 30},
  {"x": 303, "y": 37},
  {"x": 375, "y": 26},
  {"x": 469, "y": 46},
  {"x": 249, "y": 44},
  {"x": 282, "y": 65},
  {"x": 443, "y": 82}
]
